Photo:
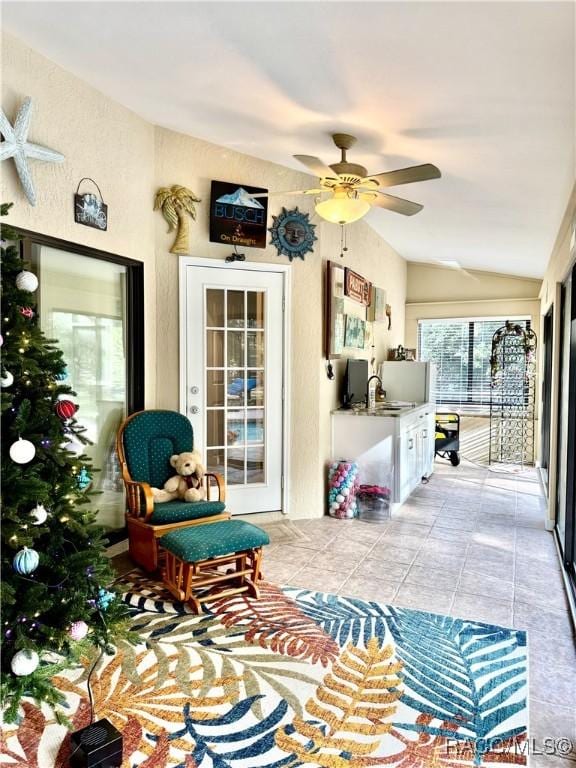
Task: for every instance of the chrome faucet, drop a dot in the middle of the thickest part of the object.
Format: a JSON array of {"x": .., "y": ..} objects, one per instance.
[{"x": 371, "y": 401}]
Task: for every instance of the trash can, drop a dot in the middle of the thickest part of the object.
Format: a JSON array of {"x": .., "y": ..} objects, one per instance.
[
  {"x": 342, "y": 482},
  {"x": 374, "y": 493}
]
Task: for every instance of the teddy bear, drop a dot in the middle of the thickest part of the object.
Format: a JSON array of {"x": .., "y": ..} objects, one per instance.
[{"x": 187, "y": 484}]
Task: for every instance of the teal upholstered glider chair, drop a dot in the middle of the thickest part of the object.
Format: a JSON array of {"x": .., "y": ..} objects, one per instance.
[{"x": 145, "y": 442}]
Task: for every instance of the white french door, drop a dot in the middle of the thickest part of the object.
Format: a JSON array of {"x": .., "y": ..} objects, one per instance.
[{"x": 233, "y": 378}]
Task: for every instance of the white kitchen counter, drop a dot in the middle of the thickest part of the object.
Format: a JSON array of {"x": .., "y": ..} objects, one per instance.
[{"x": 380, "y": 440}]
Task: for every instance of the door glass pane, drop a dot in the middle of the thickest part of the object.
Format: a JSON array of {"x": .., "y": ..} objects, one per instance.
[
  {"x": 235, "y": 428},
  {"x": 215, "y": 349},
  {"x": 255, "y": 349},
  {"x": 82, "y": 304},
  {"x": 215, "y": 428},
  {"x": 235, "y": 349},
  {"x": 237, "y": 389},
  {"x": 236, "y": 314},
  {"x": 214, "y": 388},
  {"x": 236, "y": 466},
  {"x": 255, "y": 387},
  {"x": 215, "y": 308},
  {"x": 215, "y": 461},
  {"x": 255, "y": 426},
  {"x": 255, "y": 309},
  {"x": 255, "y": 465}
]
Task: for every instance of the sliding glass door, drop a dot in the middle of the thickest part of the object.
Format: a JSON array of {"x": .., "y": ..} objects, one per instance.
[
  {"x": 86, "y": 303},
  {"x": 566, "y": 480},
  {"x": 548, "y": 346}
]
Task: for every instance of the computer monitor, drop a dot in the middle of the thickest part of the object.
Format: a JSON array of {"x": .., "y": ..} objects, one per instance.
[{"x": 355, "y": 381}]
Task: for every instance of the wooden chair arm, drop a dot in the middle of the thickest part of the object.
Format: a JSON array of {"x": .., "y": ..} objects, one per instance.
[
  {"x": 136, "y": 493},
  {"x": 219, "y": 482}
]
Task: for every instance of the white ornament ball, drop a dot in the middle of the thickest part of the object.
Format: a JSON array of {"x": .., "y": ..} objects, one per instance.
[
  {"x": 7, "y": 380},
  {"x": 39, "y": 514},
  {"x": 340, "y": 498},
  {"x": 24, "y": 662},
  {"x": 346, "y": 492},
  {"x": 78, "y": 630},
  {"x": 26, "y": 281},
  {"x": 334, "y": 505},
  {"x": 22, "y": 451}
]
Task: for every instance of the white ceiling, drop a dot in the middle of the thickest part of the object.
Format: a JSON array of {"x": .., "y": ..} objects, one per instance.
[{"x": 484, "y": 90}]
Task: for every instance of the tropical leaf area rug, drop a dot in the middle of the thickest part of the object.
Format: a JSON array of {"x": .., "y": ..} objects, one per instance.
[{"x": 297, "y": 678}]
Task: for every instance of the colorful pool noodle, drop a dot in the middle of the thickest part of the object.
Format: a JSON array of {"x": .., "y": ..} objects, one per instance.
[{"x": 343, "y": 482}]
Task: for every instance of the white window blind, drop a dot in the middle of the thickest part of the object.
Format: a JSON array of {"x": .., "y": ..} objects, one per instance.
[{"x": 461, "y": 349}]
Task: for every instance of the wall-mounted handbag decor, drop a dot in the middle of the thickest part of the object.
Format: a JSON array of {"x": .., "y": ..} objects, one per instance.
[
  {"x": 177, "y": 203},
  {"x": 292, "y": 233},
  {"x": 16, "y": 145},
  {"x": 236, "y": 216},
  {"x": 90, "y": 209}
]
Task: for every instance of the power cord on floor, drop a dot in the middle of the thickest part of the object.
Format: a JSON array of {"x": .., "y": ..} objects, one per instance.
[{"x": 90, "y": 699}]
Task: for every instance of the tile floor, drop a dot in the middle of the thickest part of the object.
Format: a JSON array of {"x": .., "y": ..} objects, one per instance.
[{"x": 471, "y": 543}]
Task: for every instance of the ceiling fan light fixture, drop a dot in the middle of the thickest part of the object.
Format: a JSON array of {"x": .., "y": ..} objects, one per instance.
[{"x": 342, "y": 208}]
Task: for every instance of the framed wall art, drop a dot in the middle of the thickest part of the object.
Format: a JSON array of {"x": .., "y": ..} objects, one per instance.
[
  {"x": 355, "y": 336},
  {"x": 377, "y": 308}
]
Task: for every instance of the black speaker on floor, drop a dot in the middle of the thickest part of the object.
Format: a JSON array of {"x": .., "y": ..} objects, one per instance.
[{"x": 99, "y": 745}]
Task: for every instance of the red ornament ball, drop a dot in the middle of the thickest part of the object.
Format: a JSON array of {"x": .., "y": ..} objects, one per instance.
[
  {"x": 27, "y": 312},
  {"x": 66, "y": 409}
]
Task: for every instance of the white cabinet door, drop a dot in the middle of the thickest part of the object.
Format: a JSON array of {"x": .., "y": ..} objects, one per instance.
[{"x": 407, "y": 473}]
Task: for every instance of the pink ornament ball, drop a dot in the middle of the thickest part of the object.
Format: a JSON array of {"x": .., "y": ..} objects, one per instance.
[{"x": 78, "y": 630}]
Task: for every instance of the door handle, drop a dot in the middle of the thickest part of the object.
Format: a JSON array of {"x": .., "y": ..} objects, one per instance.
[
  {"x": 194, "y": 409},
  {"x": 410, "y": 443},
  {"x": 424, "y": 434},
  {"x": 194, "y": 390}
]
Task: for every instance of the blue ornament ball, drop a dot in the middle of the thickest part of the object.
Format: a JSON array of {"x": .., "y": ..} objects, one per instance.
[
  {"x": 26, "y": 561},
  {"x": 62, "y": 376}
]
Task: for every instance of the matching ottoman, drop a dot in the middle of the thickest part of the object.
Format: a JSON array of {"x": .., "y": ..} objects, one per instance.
[{"x": 194, "y": 557}]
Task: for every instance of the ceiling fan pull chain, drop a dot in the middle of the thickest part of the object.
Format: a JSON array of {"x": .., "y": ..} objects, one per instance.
[{"x": 343, "y": 241}]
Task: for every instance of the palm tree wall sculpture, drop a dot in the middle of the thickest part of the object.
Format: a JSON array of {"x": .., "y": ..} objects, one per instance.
[{"x": 176, "y": 204}]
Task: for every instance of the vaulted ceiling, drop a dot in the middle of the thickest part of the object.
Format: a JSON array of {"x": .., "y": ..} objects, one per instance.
[{"x": 484, "y": 90}]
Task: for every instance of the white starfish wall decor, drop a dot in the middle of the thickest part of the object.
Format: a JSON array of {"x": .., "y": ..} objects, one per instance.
[{"x": 16, "y": 145}]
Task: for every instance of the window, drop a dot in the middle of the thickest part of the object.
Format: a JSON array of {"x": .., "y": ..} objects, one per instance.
[
  {"x": 461, "y": 349},
  {"x": 91, "y": 303}
]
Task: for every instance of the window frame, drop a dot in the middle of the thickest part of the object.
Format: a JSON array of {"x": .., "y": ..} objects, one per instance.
[
  {"x": 469, "y": 404},
  {"x": 135, "y": 369}
]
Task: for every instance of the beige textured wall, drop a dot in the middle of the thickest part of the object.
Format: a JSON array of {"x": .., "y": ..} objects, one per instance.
[
  {"x": 438, "y": 292},
  {"x": 100, "y": 139},
  {"x": 194, "y": 163},
  {"x": 130, "y": 159},
  {"x": 429, "y": 282}
]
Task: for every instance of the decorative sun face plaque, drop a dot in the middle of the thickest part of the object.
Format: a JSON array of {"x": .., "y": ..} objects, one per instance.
[{"x": 292, "y": 233}]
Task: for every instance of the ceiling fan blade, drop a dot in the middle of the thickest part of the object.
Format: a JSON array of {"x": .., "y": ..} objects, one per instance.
[
  {"x": 292, "y": 192},
  {"x": 396, "y": 204},
  {"x": 404, "y": 175},
  {"x": 317, "y": 167}
]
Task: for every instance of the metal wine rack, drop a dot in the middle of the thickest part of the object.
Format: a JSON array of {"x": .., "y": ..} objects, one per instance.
[{"x": 513, "y": 395}]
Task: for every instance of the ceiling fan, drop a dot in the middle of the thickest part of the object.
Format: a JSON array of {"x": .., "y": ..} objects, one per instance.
[{"x": 354, "y": 191}]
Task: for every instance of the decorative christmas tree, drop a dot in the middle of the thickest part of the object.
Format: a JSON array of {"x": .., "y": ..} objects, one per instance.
[{"x": 55, "y": 600}]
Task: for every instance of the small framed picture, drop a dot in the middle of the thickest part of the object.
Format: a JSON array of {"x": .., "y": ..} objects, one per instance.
[{"x": 410, "y": 354}]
